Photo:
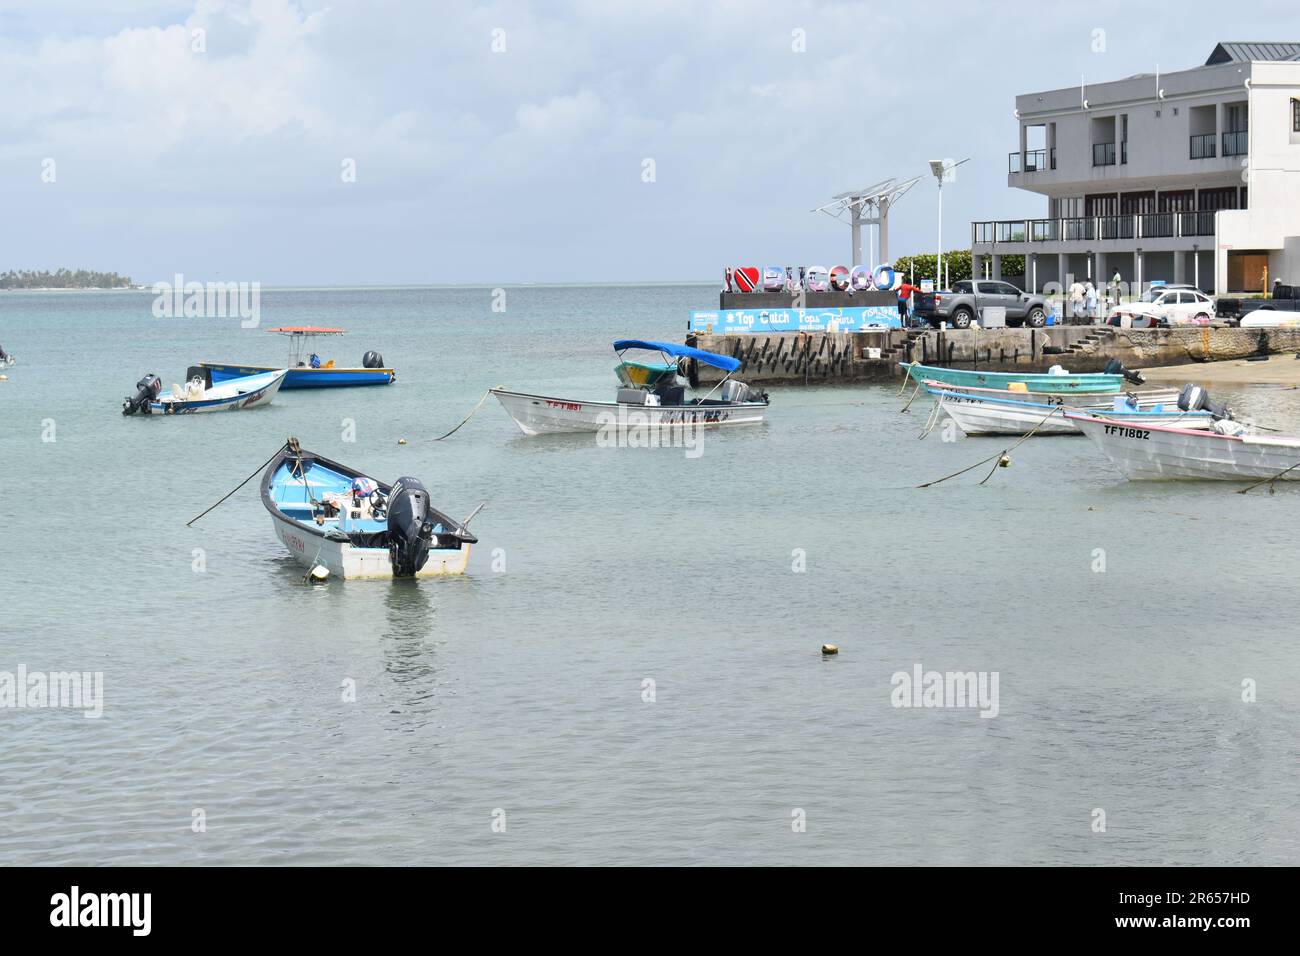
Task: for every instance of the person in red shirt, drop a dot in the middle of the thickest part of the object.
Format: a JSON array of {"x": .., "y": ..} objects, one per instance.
[{"x": 904, "y": 299}]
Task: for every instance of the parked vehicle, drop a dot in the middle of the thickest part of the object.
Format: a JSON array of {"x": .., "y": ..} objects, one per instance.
[
  {"x": 1283, "y": 309},
  {"x": 1165, "y": 306},
  {"x": 964, "y": 304}
]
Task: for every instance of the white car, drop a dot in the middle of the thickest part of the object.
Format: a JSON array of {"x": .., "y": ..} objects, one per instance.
[{"x": 1166, "y": 305}]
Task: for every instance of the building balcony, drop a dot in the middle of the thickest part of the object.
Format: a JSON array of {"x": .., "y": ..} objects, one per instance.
[
  {"x": 1103, "y": 154},
  {"x": 1202, "y": 146},
  {"x": 1032, "y": 161},
  {"x": 1236, "y": 143},
  {"x": 1025, "y": 233}
]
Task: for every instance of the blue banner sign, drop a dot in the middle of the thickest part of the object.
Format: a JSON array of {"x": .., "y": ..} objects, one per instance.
[{"x": 746, "y": 321}]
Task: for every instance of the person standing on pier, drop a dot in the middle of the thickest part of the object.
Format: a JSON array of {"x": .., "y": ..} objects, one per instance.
[
  {"x": 1090, "y": 300},
  {"x": 905, "y": 292},
  {"x": 1076, "y": 298}
]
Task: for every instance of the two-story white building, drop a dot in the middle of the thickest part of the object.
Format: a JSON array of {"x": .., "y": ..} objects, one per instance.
[{"x": 1191, "y": 176}]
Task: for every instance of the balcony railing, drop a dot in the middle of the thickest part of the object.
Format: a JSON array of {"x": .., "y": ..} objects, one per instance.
[
  {"x": 1103, "y": 154},
  {"x": 1156, "y": 225},
  {"x": 1034, "y": 161},
  {"x": 1011, "y": 231},
  {"x": 1202, "y": 146},
  {"x": 1235, "y": 143}
]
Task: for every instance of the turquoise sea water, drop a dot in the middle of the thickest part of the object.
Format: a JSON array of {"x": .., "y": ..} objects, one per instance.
[{"x": 521, "y": 692}]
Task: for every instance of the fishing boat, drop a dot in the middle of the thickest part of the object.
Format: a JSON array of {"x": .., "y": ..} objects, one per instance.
[
  {"x": 332, "y": 516},
  {"x": 1224, "y": 453},
  {"x": 1093, "y": 401},
  {"x": 199, "y": 394},
  {"x": 1063, "y": 381},
  {"x": 978, "y": 415},
  {"x": 309, "y": 370},
  {"x": 660, "y": 404}
]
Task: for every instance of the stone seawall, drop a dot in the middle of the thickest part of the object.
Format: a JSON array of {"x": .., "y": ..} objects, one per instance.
[{"x": 825, "y": 357}]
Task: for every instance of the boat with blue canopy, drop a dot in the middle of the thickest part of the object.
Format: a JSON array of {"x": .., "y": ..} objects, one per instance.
[
  {"x": 335, "y": 517},
  {"x": 307, "y": 369},
  {"x": 650, "y": 395}
]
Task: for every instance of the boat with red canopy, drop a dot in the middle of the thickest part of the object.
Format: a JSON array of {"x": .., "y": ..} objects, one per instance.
[{"x": 306, "y": 368}]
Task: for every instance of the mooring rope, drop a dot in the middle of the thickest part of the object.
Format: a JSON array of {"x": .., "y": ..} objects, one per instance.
[
  {"x": 1269, "y": 481},
  {"x": 915, "y": 392},
  {"x": 933, "y": 419},
  {"x": 471, "y": 414},
  {"x": 999, "y": 456},
  {"x": 241, "y": 484}
]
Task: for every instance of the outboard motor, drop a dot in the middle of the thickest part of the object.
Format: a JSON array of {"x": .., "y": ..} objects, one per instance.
[
  {"x": 146, "y": 390},
  {"x": 1116, "y": 367},
  {"x": 410, "y": 527},
  {"x": 739, "y": 392},
  {"x": 1193, "y": 398},
  {"x": 372, "y": 359}
]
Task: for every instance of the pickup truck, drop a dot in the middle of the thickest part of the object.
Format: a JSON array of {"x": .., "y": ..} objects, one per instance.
[
  {"x": 961, "y": 306},
  {"x": 1286, "y": 298}
]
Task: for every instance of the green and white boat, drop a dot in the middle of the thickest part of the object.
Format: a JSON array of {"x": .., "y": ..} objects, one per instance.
[{"x": 1091, "y": 382}]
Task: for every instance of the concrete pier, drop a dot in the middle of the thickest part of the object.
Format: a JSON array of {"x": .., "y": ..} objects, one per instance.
[{"x": 873, "y": 356}]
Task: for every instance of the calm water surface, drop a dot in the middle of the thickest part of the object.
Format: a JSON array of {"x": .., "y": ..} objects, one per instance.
[{"x": 517, "y": 691}]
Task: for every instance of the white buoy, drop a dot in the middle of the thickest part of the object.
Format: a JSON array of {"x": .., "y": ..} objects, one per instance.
[
  {"x": 401, "y": 441},
  {"x": 829, "y": 650},
  {"x": 317, "y": 574}
]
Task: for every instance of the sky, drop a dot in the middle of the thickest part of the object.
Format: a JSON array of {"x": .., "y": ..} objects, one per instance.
[{"x": 357, "y": 143}]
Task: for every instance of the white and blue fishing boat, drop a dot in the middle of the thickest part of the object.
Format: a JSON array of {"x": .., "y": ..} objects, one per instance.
[
  {"x": 199, "y": 394},
  {"x": 658, "y": 402},
  {"x": 334, "y": 517},
  {"x": 307, "y": 369},
  {"x": 982, "y": 415}
]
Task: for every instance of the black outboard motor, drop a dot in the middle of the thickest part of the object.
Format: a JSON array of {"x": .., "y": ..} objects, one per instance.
[
  {"x": 1193, "y": 398},
  {"x": 146, "y": 390},
  {"x": 410, "y": 527},
  {"x": 372, "y": 359},
  {"x": 1116, "y": 367}
]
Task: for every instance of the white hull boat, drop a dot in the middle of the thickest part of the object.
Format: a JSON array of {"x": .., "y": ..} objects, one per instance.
[
  {"x": 1146, "y": 397},
  {"x": 656, "y": 402},
  {"x": 196, "y": 395},
  {"x": 332, "y": 516},
  {"x": 1159, "y": 452},
  {"x": 546, "y": 415},
  {"x": 994, "y": 416}
]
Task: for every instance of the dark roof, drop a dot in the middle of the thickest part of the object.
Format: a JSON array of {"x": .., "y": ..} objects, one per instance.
[{"x": 1245, "y": 52}]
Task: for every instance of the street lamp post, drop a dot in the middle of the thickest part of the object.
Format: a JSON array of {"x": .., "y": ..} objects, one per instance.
[{"x": 944, "y": 171}]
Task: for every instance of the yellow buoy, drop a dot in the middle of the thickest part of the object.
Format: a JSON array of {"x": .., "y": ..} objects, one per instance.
[
  {"x": 829, "y": 649},
  {"x": 1004, "y": 462}
]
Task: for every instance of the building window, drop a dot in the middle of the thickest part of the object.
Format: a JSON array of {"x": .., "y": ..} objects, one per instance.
[{"x": 1295, "y": 116}]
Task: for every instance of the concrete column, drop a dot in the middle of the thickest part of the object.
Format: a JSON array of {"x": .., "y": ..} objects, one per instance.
[
  {"x": 977, "y": 267},
  {"x": 1062, "y": 268},
  {"x": 1180, "y": 267},
  {"x": 1137, "y": 273},
  {"x": 1032, "y": 278},
  {"x": 1101, "y": 280},
  {"x": 997, "y": 267}
]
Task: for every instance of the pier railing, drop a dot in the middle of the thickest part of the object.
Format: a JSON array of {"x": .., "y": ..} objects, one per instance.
[{"x": 1160, "y": 225}]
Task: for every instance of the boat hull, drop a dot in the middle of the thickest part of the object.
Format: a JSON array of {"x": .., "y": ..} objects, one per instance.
[
  {"x": 1092, "y": 401},
  {"x": 1033, "y": 381},
  {"x": 306, "y": 377},
  {"x": 1154, "y": 454},
  {"x": 351, "y": 542},
  {"x": 232, "y": 395},
  {"x": 350, "y": 563},
  {"x": 543, "y": 415},
  {"x": 981, "y": 416}
]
